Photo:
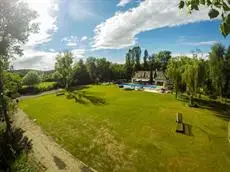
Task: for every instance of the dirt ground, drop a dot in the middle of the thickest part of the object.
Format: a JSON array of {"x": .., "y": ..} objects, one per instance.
[{"x": 46, "y": 151}]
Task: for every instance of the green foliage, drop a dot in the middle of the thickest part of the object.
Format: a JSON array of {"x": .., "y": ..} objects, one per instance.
[
  {"x": 217, "y": 7},
  {"x": 31, "y": 78},
  {"x": 38, "y": 88},
  {"x": 24, "y": 164},
  {"x": 81, "y": 76},
  {"x": 213, "y": 13},
  {"x": 132, "y": 63},
  {"x": 13, "y": 84},
  {"x": 91, "y": 68},
  {"x": 64, "y": 66},
  {"x": 162, "y": 59},
  {"x": 133, "y": 131},
  {"x": 12, "y": 147},
  {"x": 145, "y": 59},
  {"x": 216, "y": 65}
]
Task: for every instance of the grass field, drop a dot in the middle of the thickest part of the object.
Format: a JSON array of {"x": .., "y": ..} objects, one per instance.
[
  {"x": 43, "y": 85},
  {"x": 114, "y": 130}
]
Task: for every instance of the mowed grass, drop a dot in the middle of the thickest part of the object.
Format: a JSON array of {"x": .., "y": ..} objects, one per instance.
[
  {"x": 43, "y": 85},
  {"x": 132, "y": 130}
]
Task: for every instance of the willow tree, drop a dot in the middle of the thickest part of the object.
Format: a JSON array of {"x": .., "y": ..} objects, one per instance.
[
  {"x": 191, "y": 78},
  {"x": 15, "y": 26},
  {"x": 174, "y": 73}
]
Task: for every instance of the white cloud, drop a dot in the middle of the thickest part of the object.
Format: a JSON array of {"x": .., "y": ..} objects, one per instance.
[
  {"x": 120, "y": 30},
  {"x": 199, "y": 55},
  {"x": 35, "y": 59},
  {"x": 202, "y": 43},
  {"x": 41, "y": 60},
  {"x": 80, "y": 10},
  {"x": 71, "y": 44},
  {"x": 51, "y": 50},
  {"x": 122, "y": 3},
  {"x": 78, "y": 53},
  {"x": 46, "y": 10},
  {"x": 84, "y": 38},
  {"x": 71, "y": 41}
]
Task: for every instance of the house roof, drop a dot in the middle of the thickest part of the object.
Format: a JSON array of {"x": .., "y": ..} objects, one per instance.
[{"x": 157, "y": 75}]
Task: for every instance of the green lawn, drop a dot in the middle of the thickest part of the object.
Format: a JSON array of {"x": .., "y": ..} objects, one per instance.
[
  {"x": 43, "y": 85},
  {"x": 114, "y": 130}
]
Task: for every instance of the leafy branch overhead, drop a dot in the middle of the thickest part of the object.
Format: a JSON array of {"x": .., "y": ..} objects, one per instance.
[{"x": 219, "y": 9}]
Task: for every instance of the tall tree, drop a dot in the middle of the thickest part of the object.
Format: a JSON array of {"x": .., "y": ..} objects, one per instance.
[
  {"x": 162, "y": 58},
  {"x": 216, "y": 64},
  {"x": 174, "y": 73},
  {"x": 15, "y": 26},
  {"x": 227, "y": 73},
  {"x": 190, "y": 77},
  {"x": 118, "y": 71},
  {"x": 91, "y": 68},
  {"x": 145, "y": 60},
  {"x": 136, "y": 51},
  {"x": 128, "y": 65},
  {"x": 103, "y": 70},
  {"x": 219, "y": 8},
  {"x": 64, "y": 66},
  {"x": 81, "y": 76},
  {"x": 151, "y": 67}
]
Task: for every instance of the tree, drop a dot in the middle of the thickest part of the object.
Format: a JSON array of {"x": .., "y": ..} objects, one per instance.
[
  {"x": 226, "y": 73},
  {"x": 81, "y": 76},
  {"x": 174, "y": 73},
  {"x": 118, "y": 71},
  {"x": 190, "y": 77},
  {"x": 145, "y": 59},
  {"x": 64, "y": 67},
  {"x": 15, "y": 26},
  {"x": 103, "y": 70},
  {"x": 162, "y": 58},
  {"x": 31, "y": 78},
  {"x": 151, "y": 66},
  {"x": 128, "y": 66},
  {"x": 216, "y": 64},
  {"x": 219, "y": 8},
  {"x": 12, "y": 84},
  {"x": 91, "y": 68},
  {"x": 136, "y": 52}
]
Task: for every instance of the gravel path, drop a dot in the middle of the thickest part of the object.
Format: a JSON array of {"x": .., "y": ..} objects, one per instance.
[{"x": 46, "y": 151}]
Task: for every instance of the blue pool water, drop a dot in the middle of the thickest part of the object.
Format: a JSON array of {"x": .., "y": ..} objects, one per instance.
[{"x": 139, "y": 86}]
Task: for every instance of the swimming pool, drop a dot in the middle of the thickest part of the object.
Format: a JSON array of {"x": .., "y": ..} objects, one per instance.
[{"x": 138, "y": 86}]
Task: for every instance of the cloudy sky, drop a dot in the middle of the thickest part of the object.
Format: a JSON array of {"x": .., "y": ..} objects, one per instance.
[{"x": 107, "y": 28}]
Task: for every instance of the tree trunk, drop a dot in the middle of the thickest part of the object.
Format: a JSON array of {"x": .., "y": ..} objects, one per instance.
[{"x": 191, "y": 100}]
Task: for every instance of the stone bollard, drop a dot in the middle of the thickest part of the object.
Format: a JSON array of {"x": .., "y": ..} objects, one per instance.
[{"x": 229, "y": 131}]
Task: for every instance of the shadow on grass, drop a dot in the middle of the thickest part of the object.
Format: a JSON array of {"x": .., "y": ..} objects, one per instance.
[
  {"x": 79, "y": 87},
  {"x": 83, "y": 97},
  {"x": 223, "y": 109}
]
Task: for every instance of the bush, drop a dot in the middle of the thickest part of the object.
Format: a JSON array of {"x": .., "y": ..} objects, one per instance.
[
  {"x": 31, "y": 78},
  {"x": 12, "y": 146},
  {"x": 35, "y": 89}
]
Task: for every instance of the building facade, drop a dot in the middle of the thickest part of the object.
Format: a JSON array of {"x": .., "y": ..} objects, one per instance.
[{"x": 159, "y": 78}]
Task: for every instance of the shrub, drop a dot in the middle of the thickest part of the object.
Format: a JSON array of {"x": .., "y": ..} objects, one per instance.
[
  {"x": 12, "y": 146},
  {"x": 38, "y": 88},
  {"x": 31, "y": 78}
]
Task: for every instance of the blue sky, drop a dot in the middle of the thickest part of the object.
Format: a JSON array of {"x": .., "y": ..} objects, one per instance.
[{"x": 108, "y": 28}]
